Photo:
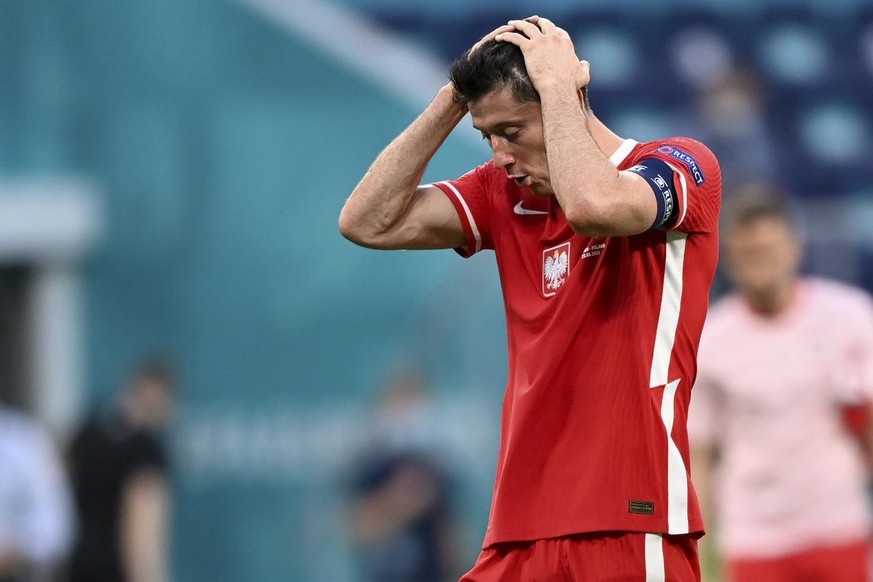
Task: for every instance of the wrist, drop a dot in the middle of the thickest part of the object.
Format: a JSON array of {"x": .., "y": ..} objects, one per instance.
[
  {"x": 565, "y": 99},
  {"x": 558, "y": 89},
  {"x": 446, "y": 103}
]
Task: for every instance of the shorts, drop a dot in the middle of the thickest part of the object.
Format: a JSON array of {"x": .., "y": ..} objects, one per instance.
[
  {"x": 843, "y": 563},
  {"x": 602, "y": 556}
]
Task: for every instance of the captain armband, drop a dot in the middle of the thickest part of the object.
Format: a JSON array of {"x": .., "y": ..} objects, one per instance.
[{"x": 659, "y": 175}]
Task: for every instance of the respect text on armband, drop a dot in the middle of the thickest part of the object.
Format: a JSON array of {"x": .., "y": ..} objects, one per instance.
[{"x": 686, "y": 159}]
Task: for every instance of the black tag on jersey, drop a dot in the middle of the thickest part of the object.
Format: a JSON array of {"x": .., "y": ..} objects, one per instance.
[{"x": 641, "y": 507}]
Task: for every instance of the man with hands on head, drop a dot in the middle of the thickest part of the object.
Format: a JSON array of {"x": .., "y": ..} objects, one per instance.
[{"x": 606, "y": 249}]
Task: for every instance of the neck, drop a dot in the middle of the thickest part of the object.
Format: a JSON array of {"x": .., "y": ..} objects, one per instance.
[
  {"x": 772, "y": 302},
  {"x": 607, "y": 141}
]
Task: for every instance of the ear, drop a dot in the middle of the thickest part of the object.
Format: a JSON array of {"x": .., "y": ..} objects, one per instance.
[{"x": 585, "y": 73}]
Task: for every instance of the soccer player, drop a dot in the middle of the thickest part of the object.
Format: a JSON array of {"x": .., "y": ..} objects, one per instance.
[
  {"x": 606, "y": 249},
  {"x": 120, "y": 473},
  {"x": 782, "y": 394}
]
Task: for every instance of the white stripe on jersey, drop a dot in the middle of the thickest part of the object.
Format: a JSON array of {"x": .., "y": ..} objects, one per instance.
[
  {"x": 655, "y": 571},
  {"x": 668, "y": 321},
  {"x": 671, "y": 300},
  {"x": 469, "y": 214},
  {"x": 677, "y": 478}
]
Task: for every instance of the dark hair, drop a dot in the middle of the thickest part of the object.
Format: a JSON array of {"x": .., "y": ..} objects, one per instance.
[
  {"x": 491, "y": 67},
  {"x": 755, "y": 202}
]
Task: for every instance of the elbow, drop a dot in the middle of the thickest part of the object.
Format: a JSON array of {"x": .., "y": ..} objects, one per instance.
[
  {"x": 600, "y": 219},
  {"x": 353, "y": 232},
  {"x": 589, "y": 220},
  {"x": 591, "y": 228},
  {"x": 351, "y": 224},
  {"x": 357, "y": 231},
  {"x": 348, "y": 228}
]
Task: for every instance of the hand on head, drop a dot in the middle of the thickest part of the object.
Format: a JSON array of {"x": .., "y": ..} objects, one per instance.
[
  {"x": 491, "y": 35},
  {"x": 549, "y": 54}
]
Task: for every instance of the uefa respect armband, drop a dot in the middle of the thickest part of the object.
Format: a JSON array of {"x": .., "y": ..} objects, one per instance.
[{"x": 659, "y": 175}]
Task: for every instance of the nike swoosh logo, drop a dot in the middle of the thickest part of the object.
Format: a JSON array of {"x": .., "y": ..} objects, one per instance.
[{"x": 518, "y": 209}]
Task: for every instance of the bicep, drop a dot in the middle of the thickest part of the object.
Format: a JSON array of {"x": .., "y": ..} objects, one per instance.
[
  {"x": 637, "y": 208},
  {"x": 628, "y": 209},
  {"x": 649, "y": 197},
  {"x": 624, "y": 208},
  {"x": 430, "y": 222}
]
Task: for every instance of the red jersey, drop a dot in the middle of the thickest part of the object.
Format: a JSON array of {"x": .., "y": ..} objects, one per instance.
[{"x": 603, "y": 336}]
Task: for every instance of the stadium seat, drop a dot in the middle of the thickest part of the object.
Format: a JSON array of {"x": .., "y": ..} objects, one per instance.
[{"x": 795, "y": 54}]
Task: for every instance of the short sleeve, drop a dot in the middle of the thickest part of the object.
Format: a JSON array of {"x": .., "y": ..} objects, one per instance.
[
  {"x": 469, "y": 195},
  {"x": 852, "y": 374},
  {"x": 146, "y": 452},
  {"x": 696, "y": 181}
]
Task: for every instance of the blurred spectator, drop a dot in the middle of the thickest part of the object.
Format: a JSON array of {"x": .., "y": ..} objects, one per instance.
[
  {"x": 120, "y": 477},
  {"x": 780, "y": 410},
  {"x": 402, "y": 518},
  {"x": 731, "y": 119},
  {"x": 36, "y": 508}
]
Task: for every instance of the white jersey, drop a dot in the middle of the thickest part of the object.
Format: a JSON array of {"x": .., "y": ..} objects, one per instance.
[
  {"x": 36, "y": 504},
  {"x": 769, "y": 394}
]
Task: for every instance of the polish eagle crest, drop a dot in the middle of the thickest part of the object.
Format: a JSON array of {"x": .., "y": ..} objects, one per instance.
[{"x": 556, "y": 268}]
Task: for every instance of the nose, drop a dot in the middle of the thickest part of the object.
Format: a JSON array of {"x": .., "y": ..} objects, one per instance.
[{"x": 503, "y": 158}]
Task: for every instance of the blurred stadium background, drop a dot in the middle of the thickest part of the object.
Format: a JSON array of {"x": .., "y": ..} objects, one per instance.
[{"x": 172, "y": 172}]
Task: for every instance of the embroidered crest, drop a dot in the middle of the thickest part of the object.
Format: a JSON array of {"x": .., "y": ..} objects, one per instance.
[{"x": 556, "y": 268}]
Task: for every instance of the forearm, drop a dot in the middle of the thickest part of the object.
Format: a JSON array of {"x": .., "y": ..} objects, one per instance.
[
  {"x": 377, "y": 517},
  {"x": 145, "y": 528},
  {"x": 384, "y": 193},
  {"x": 582, "y": 177}
]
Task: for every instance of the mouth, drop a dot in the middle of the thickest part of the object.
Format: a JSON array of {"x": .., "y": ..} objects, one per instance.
[{"x": 522, "y": 180}]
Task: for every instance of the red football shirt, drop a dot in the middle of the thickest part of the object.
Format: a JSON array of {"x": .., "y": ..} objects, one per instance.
[{"x": 603, "y": 336}]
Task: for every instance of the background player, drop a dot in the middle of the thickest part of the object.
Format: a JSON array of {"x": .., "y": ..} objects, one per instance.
[
  {"x": 37, "y": 519},
  {"x": 402, "y": 512},
  {"x": 606, "y": 249},
  {"x": 119, "y": 469},
  {"x": 783, "y": 389}
]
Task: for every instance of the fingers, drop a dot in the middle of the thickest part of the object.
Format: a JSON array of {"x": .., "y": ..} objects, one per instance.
[
  {"x": 527, "y": 27},
  {"x": 546, "y": 25},
  {"x": 515, "y": 38},
  {"x": 491, "y": 35},
  {"x": 537, "y": 25}
]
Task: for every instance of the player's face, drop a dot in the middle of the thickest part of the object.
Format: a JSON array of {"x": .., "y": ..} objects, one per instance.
[
  {"x": 763, "y": 257},
  {"x": 154, "y": 401},
  {"x": 514, "y": 130}
]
